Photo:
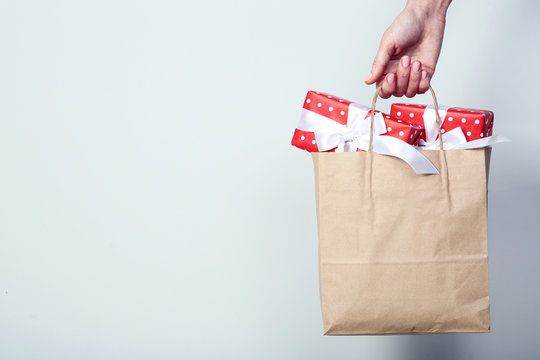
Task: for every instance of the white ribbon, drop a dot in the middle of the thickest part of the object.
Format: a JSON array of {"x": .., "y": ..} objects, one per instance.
[
  {"x": 430, "y": 122},
  {"x": 330, "y": 134},
  {"x": 453, "y": 139}
]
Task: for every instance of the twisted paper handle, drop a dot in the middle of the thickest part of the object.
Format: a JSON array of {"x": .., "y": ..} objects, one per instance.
[{"x": 435, "y": 106}]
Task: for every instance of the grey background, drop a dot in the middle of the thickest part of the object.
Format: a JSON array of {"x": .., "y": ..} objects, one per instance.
[{"x": 151, "y": 206}]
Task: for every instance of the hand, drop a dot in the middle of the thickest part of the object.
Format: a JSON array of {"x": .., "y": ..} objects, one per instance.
[{"x": 409, "y": 50}]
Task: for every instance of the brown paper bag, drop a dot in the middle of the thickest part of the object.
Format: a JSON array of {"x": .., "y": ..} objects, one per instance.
[{"x": 402, "y": 253}]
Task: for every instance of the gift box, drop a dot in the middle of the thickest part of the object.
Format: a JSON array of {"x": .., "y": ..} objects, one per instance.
[
  {"x": 403, "y": 130},
  {"x": 338, "y": 110},
  {"x": 475, "y": 124}
]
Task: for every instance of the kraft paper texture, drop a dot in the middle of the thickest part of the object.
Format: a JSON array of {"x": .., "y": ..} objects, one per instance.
[{"x": 401, "y": 253}]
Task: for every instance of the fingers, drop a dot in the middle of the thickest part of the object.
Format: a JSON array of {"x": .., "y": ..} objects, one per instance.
[
  {"x": 409, "y": 78},
  {"x": 379, "y": 64},
  {"x": 414, "y": 79},
  {"x": 389, "y": 86},
  {"x": 403, "y": 73},
  {"x": 424, "y": 82}
]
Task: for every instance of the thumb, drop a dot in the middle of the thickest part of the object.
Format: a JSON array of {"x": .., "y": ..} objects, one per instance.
[{"x": 381, "y": 60}]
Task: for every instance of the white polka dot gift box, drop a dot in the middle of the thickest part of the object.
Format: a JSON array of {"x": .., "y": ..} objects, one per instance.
[
  {"x": 459, "y": 125},
  {"x": 332, "y": 124},
  {"x": 337, "y": 109}
]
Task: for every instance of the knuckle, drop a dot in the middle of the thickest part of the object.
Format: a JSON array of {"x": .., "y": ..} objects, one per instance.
[{"x": 403, "y": 74}]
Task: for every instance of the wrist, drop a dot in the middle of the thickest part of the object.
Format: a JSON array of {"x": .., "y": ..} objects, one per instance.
[{"x": 430, "y": 8}]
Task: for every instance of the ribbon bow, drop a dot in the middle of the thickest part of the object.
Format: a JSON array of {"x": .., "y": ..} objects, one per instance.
[{"x": 330, "y": 134}]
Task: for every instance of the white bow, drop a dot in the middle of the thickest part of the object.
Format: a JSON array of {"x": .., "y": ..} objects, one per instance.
[{"x": 330, "y": 134}]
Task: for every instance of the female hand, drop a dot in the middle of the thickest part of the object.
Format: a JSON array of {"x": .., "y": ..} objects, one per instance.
[{"x": 410, "y": 48}]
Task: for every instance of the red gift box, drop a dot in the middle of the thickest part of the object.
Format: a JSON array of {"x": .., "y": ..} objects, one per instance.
[
  {"x": 337, "y": 109},
  {"x": 475, "y": 124},
  {"x": 402, "y": 130}
]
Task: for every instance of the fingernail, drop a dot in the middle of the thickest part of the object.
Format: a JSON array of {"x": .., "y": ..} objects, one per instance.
[
  {"x": 369, "y": 77},
  {"x": 416, "y": 66},
  {"x": 424, "y": 74},
  {"x": 391, "y": 78},
  {"x": 405, "y": 61}
]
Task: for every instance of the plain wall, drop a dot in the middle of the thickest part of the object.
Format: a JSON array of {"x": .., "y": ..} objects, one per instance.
[{"x": 151, "y": 206}]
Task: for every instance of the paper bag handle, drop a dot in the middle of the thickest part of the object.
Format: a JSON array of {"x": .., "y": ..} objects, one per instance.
[{"x": 435, "y": 106}]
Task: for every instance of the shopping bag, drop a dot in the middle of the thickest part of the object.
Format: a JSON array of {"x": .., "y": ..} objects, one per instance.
[{"x": 399, "y": 252}]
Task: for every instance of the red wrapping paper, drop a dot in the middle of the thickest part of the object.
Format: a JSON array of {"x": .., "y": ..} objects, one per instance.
[
  {"x": 475, "y": 124},
  {"x": 337, "y": 109}
]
